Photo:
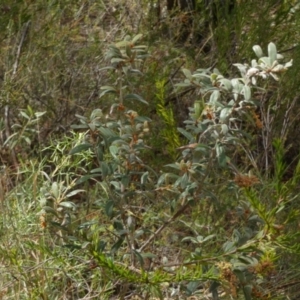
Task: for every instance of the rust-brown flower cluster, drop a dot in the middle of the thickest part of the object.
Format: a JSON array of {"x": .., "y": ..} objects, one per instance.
[
  {"x": 245, "y": 180},
  {"x": 227, "y": 276}
]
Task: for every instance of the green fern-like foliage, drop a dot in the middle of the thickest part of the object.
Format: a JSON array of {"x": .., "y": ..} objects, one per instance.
[{"x": 166, "y": 113}]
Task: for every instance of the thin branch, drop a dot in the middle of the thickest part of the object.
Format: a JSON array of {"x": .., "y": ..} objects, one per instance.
[
  {"x": 174, "y": 73},
  {"x": 7, "y": 107},
  {"x": 24, "y": 33},
  {"x": 163, "y": 226},
  {"x": 289, "y": 49}
]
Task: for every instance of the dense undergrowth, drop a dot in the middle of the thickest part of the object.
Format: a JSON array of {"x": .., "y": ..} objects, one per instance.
[{"x": 148, "y": 154}]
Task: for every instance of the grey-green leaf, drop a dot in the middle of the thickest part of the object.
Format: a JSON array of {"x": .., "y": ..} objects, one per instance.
[
  {"x": 258, "y": 51},
  {"x": 272, "y": 51},
  {"x": 214, "y": 97},
  {"x": 225, "y": 112},
  {"x": 246, "y": 92},
  {"x": 187, "y": 73}
]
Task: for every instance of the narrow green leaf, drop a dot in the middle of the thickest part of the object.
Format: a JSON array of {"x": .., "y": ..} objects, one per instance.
[
  {"x": 189, "y": 238},
  {"x": 192, "y": 287},
  {"x": 144, "y": 178},
  {"x": 265, "y": 60},
  {"x": 87, "y": 224},
  {"x": 246, "y": 92},
  {"x": 96, "y": 114},
  {"x": 242, "y": 69},
  {"x": 27, "y": 140},
  {"x": 219, "y": 149},
  {"x": 209, "y": 237},
  {"x": 23, "y": 114},
  {"x": 104, "y": 169},
  {"x": 274, "y": 76},
  {"x": 81, "y": 126},
  {"x": 135, "y": 97},
  {"x": 75, "y": 192},
  {"x": 247, "y": 289},
  {"x": 174, "y": 166},
  {"x": 280, "y": 208},
  {"x": 136, "y": 38},
  {"x": 214, "y": 290},
  {"x": 199, "y": 239},
  {"x": 224, "y": 129},
  {"x": 109, "y": 208},
  {"x": 87, "y": 177},
  {"x": 185, "y": 133},
  {"x": 106, "y": 132},
  {"x": 50, "y": 210},
  {"x": 107, "y": 87},
  {"x": 97, "y": 170},
  {"x": 108, "y": 90},
  {"x": 228, "y": 247},
  {"x": 116, "y": 184},
  {"x": 148, "y": 255},
  {"x": 114, "y": 151},
  {"x": 125, "y": 180},
  {"x": 67, "y": 204},
  {"x": 100, "y": 154},
  {"x": 139, "y": 257},
  {"x": 55, "y": 190},
  {"x": 183, "y": 84},
  {"x": 129, "y": 54},
  {"x": 288, "y": 64},
  {"x": 107, "y": 68},
  {"x": 225, "y": 113},
  {"x": 39, "y": 114},
  {"x": 80, "y": 148},
  {"x": 10, "y": 138},
  {"x": 117, "y": 245},
  {"x": 117, "y": 60},
  {"x": 184, "y": 180},
  {"x": 123, "y": 44},
  {"x": 226, "y": 84}
]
